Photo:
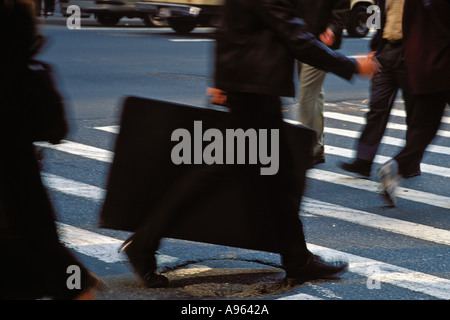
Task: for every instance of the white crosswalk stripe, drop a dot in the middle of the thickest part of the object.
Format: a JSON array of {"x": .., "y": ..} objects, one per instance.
[
  {"x": 362, "y": 120},
  {"x": 75, "y": 188},
  {"x": 106, "y": 248},
  {"x": 367, "y": 185},
  {"x": 96, "y": 245}
]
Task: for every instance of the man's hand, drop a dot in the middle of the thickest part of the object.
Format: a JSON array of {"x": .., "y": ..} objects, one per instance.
[
  {"x": 368, "y": 65},
  {"x": 327, "y": 37}
]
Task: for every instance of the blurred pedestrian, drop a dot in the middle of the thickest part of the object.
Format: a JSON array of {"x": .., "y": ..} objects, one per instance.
[
  {"x": 426, "y": 30},
  {"x": 256, "y": 48},
  {"x": 325, "y": 19},
  {"x": 34, "y": 262},
  {"x": 49, "y": 7},
  {"x": 388, "y": 47}
]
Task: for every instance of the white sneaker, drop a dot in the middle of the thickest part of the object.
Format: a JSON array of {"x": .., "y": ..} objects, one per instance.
[{"x": 390, "y": 179}]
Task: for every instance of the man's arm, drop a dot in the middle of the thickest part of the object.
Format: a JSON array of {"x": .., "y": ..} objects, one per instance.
[
  {"x": 338, "y": 17},
  {"x": 279, "y": 16}
]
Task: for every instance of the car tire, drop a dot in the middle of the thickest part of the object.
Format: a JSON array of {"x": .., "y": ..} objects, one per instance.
[
  {"x": 182, "y": 26},
  {"x": 107, "y": 19},
  {"x": 357, "y": 22},
  {"x": 151, "y": 20}
]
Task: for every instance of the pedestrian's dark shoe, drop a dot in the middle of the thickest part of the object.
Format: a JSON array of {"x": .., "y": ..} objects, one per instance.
[
  {"x": 154, "y": 280},
  {"x": 315, "y": 268},
  {"x": 359, "y": 166},
  {"x": 410, "y": 174},
  {"x": 390, "y": 179},
  {"x": 144, "y": 266},
  {"x": 317, "y": 159}
]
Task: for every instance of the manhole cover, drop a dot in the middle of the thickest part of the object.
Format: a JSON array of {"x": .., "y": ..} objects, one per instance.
[{"x": 228, "y": 282}]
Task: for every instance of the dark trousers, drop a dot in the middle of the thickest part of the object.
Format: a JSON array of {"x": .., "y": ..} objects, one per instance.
[
  {"x": 384, "y": 88},
  {"x": 424, "y": 124},
  {"x": 277, "y": 191},
  {"x": 264, "y": 112}
]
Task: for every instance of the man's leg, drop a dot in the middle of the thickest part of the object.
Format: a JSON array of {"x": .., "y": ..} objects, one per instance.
[
  {"x": 425, "y": 122},
  {"x": 384, "y": 88},
  {"x": 409, "y": 102},
  {"x": 311, "y": 101}
]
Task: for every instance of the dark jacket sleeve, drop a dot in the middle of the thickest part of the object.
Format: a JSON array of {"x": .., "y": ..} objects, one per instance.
[
  {"x": 338, "y": 17},
  {"x": 279, "y": 16}
]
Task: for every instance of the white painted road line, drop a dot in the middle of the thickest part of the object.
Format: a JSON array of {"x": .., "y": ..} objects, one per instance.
[
  {"x": 387, "y": 273},
  {"x": 300, "y": 296},
  {"x": 72, "y": 187},
  {"x": 110, "y": 129},
  {"x": 80, "y": 149},
  {"x": 90, "y": 243},
  {"x": 367, "y": 219},
  {"x": 385, "y": 140},
  {"x": 309, "y": 206},
  {"x": 106, "y": 249},
  {"x": 191, "y": 40},
  {"x": 394, "y": 111},
  {"x": 362, "y": 121},
  {"x": 427, "y": 168},
  {"x": 328, "y": 176},
  {"x": 336, "y": 131},
  {"x": 97, "y": 245},
  {"x": 372, "y": 186}
]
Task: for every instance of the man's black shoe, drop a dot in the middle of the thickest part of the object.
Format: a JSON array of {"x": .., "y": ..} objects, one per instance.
[
  {"x": 317, "y": 159},
  {"x": 316, "y": 268},
  {"x": 154, "y": 280},
  {"x": 361, "y": 167},
  {"x": 410, "y": 174},
  {"x": 144, "y": 266}
]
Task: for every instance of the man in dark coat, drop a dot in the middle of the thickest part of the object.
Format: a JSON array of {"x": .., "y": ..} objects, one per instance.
[
  {"x": 257, "y": 46},
  {"x": 387, "y": 43},
  {"x": 426, "y": 29}
]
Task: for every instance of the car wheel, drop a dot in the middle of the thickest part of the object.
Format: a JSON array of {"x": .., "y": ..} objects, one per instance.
[
  {"x": 108, "y": 19},
  {"x": 151, "y": 20},
  {"x": 357, "y": 23},
  {"x": 182, "y": 26}
]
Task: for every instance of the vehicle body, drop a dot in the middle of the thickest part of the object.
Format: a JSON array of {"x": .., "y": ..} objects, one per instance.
[
  {"x": 184, "y": 15},
  {"x": 109, "y": 12},
  {"x": 357, "y": 19},
  {"x": 356, "y": 24}
]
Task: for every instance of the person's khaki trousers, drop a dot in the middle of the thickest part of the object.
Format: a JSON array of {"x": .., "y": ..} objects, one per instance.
[{"x": 311, "y": 101}]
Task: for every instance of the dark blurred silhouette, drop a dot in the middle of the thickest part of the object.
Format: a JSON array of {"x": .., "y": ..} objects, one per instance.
[
  {"x": 426, "y": 31},
  {"x": 49, "y": 7},
  {"x": 389, "y": 50},
  {"x": 34, "y": 262}
]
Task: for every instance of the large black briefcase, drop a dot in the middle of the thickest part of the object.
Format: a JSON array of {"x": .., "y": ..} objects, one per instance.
[{"x": 143, "y": 175}]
